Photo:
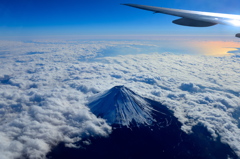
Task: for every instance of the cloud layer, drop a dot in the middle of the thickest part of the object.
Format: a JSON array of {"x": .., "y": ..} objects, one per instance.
[{"x": 44, "y": 86}]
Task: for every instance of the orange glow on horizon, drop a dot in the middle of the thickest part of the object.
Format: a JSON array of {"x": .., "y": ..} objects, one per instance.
[{"x": 216, "y": 48}]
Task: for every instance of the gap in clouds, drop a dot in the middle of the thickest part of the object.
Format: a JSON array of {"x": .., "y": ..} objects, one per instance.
[{"x": 236, "y": 52}]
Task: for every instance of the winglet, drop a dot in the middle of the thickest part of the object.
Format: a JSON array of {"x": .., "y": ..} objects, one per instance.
[
  {"x": 126, "y": 4},
  {"x": 131, "y": 5},
  {"x": 139, "y": 6}
]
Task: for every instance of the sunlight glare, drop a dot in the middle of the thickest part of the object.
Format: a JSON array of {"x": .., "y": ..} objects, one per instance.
[{"x": 235, "y": 22}]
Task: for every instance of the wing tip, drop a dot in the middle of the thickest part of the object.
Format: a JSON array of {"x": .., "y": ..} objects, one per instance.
[{"x": 128, "y": 4}]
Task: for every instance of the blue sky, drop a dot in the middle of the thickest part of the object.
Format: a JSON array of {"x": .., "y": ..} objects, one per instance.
[{"x": 105, "y": 17}]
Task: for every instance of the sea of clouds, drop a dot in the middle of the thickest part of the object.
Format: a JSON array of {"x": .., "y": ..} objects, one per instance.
[{"x": 45, "y": 85}]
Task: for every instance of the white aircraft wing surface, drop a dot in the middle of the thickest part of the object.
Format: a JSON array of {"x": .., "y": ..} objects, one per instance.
[{"x": 194, "y": 18}]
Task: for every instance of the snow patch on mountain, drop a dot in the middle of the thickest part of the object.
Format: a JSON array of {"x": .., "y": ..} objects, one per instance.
[{"x": 120, "y": 105}]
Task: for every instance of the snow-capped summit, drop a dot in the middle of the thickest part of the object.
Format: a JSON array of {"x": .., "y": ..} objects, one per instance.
[{"x": 122, "y": 106}]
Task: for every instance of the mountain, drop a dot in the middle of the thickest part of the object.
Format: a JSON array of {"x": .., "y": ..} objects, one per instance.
[
  {"x": 142, "y": 129},
  {"x": 122, "y": 106}
]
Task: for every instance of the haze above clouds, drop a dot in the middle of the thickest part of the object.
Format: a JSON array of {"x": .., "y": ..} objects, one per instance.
[{"x": 45, "y": 85}]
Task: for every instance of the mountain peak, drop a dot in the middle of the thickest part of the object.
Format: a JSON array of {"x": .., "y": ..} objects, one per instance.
[{"x": 122, "y": 106}]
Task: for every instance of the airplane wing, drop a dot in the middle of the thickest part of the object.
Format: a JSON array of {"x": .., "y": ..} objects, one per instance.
[{"x": 194, "y": 18}]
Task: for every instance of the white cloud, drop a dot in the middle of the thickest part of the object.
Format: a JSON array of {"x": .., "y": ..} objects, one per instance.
[
  {"x": 35, "y": 119},
  {"x": 44, "y": 87}
]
